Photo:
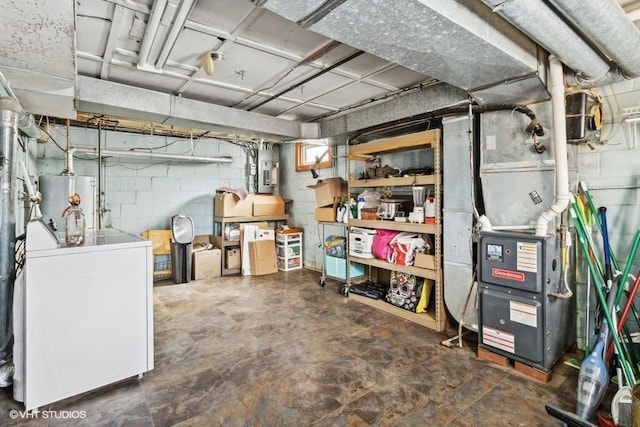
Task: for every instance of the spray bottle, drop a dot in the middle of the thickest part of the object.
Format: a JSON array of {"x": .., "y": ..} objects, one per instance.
[{"x": 360, "y": 206}]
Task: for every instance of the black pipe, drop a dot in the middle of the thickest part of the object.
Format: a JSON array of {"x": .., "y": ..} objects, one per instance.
[{"x": 364, "y": 135}]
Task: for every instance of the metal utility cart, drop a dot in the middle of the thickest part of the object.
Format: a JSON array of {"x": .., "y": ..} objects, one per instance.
[{"x": 338, "y": 268}]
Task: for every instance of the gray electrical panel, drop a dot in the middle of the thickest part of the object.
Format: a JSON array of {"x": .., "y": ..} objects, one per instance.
[
  {"x": 267, "y": 173},
  {"x": 521, "y": 316}
]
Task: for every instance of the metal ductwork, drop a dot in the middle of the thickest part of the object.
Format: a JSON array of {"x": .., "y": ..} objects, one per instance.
[
  {"x": 608, "y": 27},
  {"x": 549, "y": 30},
  {"x": 119, "y": 100},
  {"x": 9, "y": 112},
  {"x": 458, "y": 42}
]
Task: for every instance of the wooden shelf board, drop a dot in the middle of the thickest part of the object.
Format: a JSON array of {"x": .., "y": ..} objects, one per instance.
[
  {"x": 393, "y": 225},
  {"x": 425, "y": 139},
  {"x": 394, "y": 181},
  {"x": 409, "y": 269},
  {"x": 251, "y": 218},
  {"x": 425, "y": 319}
]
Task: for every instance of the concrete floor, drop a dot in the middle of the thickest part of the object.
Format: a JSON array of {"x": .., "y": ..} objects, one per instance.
[{"x": 279, "y": 350}]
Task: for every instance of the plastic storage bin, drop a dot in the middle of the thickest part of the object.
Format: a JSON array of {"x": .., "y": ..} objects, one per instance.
[{"x": 337, "y": 268}]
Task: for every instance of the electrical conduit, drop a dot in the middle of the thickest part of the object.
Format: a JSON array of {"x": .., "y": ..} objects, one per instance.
[{"x": 556, "y": 75}]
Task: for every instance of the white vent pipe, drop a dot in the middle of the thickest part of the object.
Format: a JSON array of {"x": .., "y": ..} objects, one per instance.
[
  {"x": 151, "y": 155},
  {"x": 556, "y": 78}
]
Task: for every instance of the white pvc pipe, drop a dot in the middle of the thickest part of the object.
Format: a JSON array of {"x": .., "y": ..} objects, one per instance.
[
  {"x": 150, "y": 31},
  {"x": 511, "y": 227},
  {"x": 178, "y": 24},
  {"x": 152, "y": 155},
  {"x": 556, "y": 77}
]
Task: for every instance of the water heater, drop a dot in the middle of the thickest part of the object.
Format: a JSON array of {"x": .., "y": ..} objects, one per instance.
[{"x": 56, "y": 189}]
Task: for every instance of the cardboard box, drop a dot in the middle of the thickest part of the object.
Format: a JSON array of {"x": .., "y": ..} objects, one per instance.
[
  {"x": 328, "y": 189},
  {"x": 265, "y": 205},
  {"x": 229, "y": 205},
  {"x": 424, "y": 261},
  {"x": 263, "y": 257},
  {"x": 205, "y": 263},
  {"x": 327, "y": 214},
  {"x": 233, "y": 260}
]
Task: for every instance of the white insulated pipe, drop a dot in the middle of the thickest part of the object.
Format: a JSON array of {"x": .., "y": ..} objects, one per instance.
[
  {"x": 609, "y": 28},
  {"x": 556, "y": 77},
  {"x": 546, "y": 28},
  {"x": 150, "y": 31},
  {"x": 151, "y": 155}
]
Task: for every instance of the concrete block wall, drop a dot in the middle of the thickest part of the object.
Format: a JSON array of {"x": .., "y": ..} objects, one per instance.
[
  {"x": 611, "y": 170},
  {"x": 293, "y": 185},
  {"x": 143, "y": 194}
]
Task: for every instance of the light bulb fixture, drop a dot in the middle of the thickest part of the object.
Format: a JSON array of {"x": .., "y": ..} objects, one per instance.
[
  {"x": 208, "y": 59},
  {"x": 314, "y": 174}
]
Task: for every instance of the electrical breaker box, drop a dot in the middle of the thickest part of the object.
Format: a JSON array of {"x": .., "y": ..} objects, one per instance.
[
  {"x": 521, "y": 316},
  {"x": 267, "y": 173}
]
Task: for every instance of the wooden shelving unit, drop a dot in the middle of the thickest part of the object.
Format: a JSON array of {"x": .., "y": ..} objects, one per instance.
[
  {"x": 435, "y": 317},
  {"x": 219, "y": 241}
]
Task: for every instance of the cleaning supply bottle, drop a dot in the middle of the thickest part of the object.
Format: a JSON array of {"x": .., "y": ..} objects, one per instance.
[
  {"x": 353, "y": 208},
  {"x": 360, "y": 206},
  {"x": 593, "y": 380}
]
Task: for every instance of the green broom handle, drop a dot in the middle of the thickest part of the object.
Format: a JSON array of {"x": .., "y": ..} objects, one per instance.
[
  {"x": 603, "y": 302},
  {"x": 614, "y": 260},
  {"x": 627, "y": 267}
]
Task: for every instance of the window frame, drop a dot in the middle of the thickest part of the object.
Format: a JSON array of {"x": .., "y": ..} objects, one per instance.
[{"x": 301, "y": 165}]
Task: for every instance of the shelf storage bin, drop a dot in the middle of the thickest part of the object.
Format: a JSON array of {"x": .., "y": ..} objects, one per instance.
[
  {"x": 289, "y": 251},
  {"x": 337, "y": 268}
]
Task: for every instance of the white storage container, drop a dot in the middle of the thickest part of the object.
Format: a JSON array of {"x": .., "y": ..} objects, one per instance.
[{"x": 361, "y": 242}]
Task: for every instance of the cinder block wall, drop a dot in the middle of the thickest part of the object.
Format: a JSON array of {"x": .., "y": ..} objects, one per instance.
[
  {"x": 612, "y": 170},
  {"x": 293, "y": 185},
  {"x": 143, "y": 194}
]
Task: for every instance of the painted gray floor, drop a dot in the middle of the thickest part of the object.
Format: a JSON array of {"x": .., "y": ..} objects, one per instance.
[{"x": 279, "y": 350}]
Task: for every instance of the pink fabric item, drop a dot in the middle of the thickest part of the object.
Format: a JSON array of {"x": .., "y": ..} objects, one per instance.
[{"x": 380, "y": 247}]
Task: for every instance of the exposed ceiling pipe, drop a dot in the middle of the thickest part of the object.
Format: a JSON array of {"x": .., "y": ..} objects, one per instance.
[
  {"x": 546, "y": 28},
  {"x": 556, "y": 77},
  {"x": 608, "y": 27},
  {"x": 9, "y": 112},
  {"x": 26, "y": 124},
  {"x": 178, "y": 24},
  {"x": 68, "y": 153},
  {"x": 151, "y": 155},
  {"x": 150, "y": 31}
]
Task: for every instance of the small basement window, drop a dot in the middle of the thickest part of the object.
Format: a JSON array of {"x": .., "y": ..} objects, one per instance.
[{"x": 310, "y": 156}]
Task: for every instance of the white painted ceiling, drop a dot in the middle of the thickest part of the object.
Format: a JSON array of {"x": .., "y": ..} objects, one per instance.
[
  {"x": 271, "y": 65},
  {"x": 264, "y": 55}
]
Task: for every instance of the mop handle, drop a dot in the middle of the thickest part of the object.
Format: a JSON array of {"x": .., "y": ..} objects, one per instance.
[{"x": 605, "y": 239}]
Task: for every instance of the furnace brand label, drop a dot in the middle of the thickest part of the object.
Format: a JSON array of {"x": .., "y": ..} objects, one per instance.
[
  {"x": 501, "y": 273},
  {"x": 527, "y": 256},
  {"x": 499, "y": 339},
  {"x": 523, "y": 313}
]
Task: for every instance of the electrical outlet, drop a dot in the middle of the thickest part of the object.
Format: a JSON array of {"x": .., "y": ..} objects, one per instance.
[{"x": 253, "y": 169}]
